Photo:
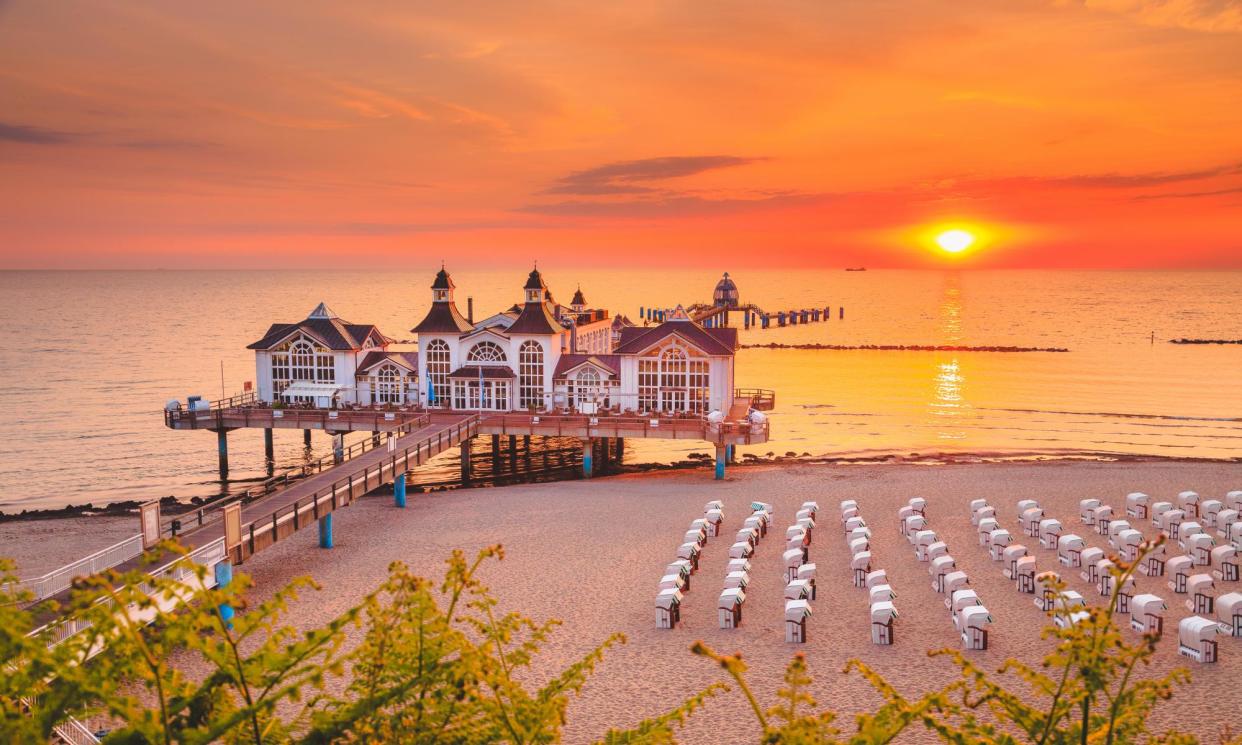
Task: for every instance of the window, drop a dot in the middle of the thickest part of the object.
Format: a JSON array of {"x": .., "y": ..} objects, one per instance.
[
  {"x": 674, "y": 382},
  {"x": 586, "y": 388},
  {"x": 648, "y": 384},
  {"x": 301, "y": 359},
  {"x": 438, "y": 370},
  {"x": 530, "y": 374},
  {"x": 389, "y": 386},
  {"x": 486, "y": 351}
]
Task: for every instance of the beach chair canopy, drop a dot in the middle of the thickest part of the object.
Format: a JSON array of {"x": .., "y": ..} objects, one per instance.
[
  {"x": 1070, "y": 542},
  {"x": 698, "y": 524},
  {"x": 1179, "y": 565},
  {"x": 1192, "y": 631},
  {"x": 1200, "y": 584},
  {"x": 1047, "y": 577},
  {"x": 762, "y": 517},
  {"x": 1211, "y": 507},
  {"x": 1087, "y": 506},
  {"x": 1137, "y": 499},
  {"x": 1032, "y": 515},
  {"x": 805, "y": 522},
  {"x": 672, "y": 580},
  {"x": 881, "y": 593},
  {"x": 1071, "y": 599},
  {"x": 715, "y": 504},
  {"x": 1233, "y": 499},
  {"x": 975, "y": 504},
  {"x": 1159, "y": 508},
  {"x": 806, "y": 571},
  {"x": 731, "y": 598},
  {"x": 964, "y": 599},
  {"x": 936, "y": 549},
  {"x": 915, "y": 523},
  {"x": 688, "y": 550},
  {"x": 737, "y": 579},
  {"x": 1014, "y": 551},
  {"x": 1169, "y": 518},
  {"x": 668, "y": 598},
  {"x": 987, "y": 525},
  {"x": 1129, "y": 537},
  {"x": 1147, "y": 603},
  {"x": 1000, "y": 537},
  {"x": 714, "y": 516},
  {"x": 1091, "y": 555},
  {"x": 736, "y": 565},
  {"x": 794, "y": 531},
  {"x": 1187, "y": 498},
  {"x": 955, "y": 581},
  {"x": 681, "y": 568},
  {"x": 1025, "y": 565},
  {"x": 797, "y": 588},
  {"x": 981, "y": 513},
  {"x": 974, "y": 617},
  {"x": 1026, "y": 504},
  {"x": 847, "y": 514},
  {"x": 813, "y": 506},
  {"x": 854, "y": 523},
  {"x": 857, "y": 533},
  {"x": 1200, "y": 541},
  {"x": 1226, "y": 554},
  {"x": 1228, "y": 606},
  {"x": 1190, "y": 527},
  {"x": 878, "y": 577},
  {"x": 847, "y": 504},
  {"x": 1049, "y": 526},
  {"x": 796, "y": 610},
  {"x": 883, "y": 611},
  {"x": 902, "y": 513},
  {"x": 925, "y": 538},
  {"x": 792, "y": 557},
  {"x": 747, "y": 534},
  {"x": 918, "y": 503},
  {"x": 761, "y": 506},
  {"x": 861, "y": 560},
  {"x": 1116, "y": 526},
  {"x": 740, "y": 550},
  {"x": 693, "y": 536},
  {"x": 753, "y": 522},
  {"x": 803, "y": 513},
  {"x": 859, "y": 545},
  {"x": 941, "y": 565}
]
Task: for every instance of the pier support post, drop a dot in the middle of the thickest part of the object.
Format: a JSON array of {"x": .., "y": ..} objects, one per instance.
[
  {"x": 465, "y": 461},
  {"x": 222, "y": 448},
  {"x": 338, "y": 449},
  {"x": 620, "y": 450},
  {"x": 720, "y": 462},
  {"x": 731, "y": 454},
  {"x": 224, "y": 577},
  {"x": 306, "y": 437},
  {"x": 325, "y": 531},
  {"x": 375, "y": 438},
  {"x": 269, "y": 446},
  {"x": 588, "y": 461},
  {"x": 398, "y": 491}
]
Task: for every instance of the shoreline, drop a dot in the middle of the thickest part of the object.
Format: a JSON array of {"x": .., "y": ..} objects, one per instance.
[{"x": 172, "y": 506}]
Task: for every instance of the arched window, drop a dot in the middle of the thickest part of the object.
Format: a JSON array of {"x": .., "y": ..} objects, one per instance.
[
  {"x": 389, "y": 386},
  {"x": 301, "y": 359},
  {"x": 438, "y": 369},
  {"x": 530, "y": 374},
  {"x": 586, "y": 387},
  {"x": 486, "y": 351}
]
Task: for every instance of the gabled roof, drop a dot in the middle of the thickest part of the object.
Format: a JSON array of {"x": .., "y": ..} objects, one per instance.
[
  {"x": 717, "y": 341},
  {"x": 534, "y": 281},
  {"x": 443, "y": 281},
  {"x": 495, "y": 330},
  {"x": 620, "y": 322},
  {"x": 487, "y": 372},
  {"x": 443, "y": 318},
  {"x": 609, "y": 363},
  {"x": 326, "y": 328},
  {"x": 407, "y": 360}
]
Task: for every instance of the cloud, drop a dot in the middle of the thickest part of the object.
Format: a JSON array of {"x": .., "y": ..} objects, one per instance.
[
  {"x": 1191, "y": 194},
  {"x": 35, "y": 135},
  {"x": 359, "y": 228},
  {"x": 672, "y": 205},
  {"x": 628, "y": 176},
  {"x": 1129, "y": 181},
  {"x": 1216, "y": 16}
]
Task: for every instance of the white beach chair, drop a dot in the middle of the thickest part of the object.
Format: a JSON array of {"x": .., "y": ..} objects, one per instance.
[
  {"x": 1225, "y": 563},
  {"x": 936, "y": 549},
  {"x": 808, "y": 525},
  {"x": 1229, "y": 613},
  {"x": 793, "y": 559},
  {"x": 714, "y": 518},
  {"x": 668, "y": 608},
  {"x": 1233, "y": 500},
  {"x": 798, "y": 589},
  {"x": 1157, "y": 509},
  {"x": 977, "y": 503},
  {"x": 1102, "y": 517},
  {"x": 881, "y": 593},
  {"x": 695, "y": 536},
  {"x": 1171, "y": 522},
  {"x": 749, "y": 535},
  {"x": 1225, "y": 520},
  {"x": 903, "y": 514},
  {"x": 812, "y": 507},
  {"x": 1086, "y": 510},
  {"x": 715, "y": 504},
  {"x": 1069, "y": 550},
  {"x": 1196, "y": 638},
  {"x": 1188, "y": 501},
  {"x": 729, "y": 607},
  {"x": 1009, "y": 558},
  {"x": 882, "y": 616},
  {"x": 985, "y": 528},
  {"x": 877, "y": 577},
  {"x": 922, "y": 541},
  {"x": 1029, "y": 520},
  {"x": 1208, "y": 510},
  {"x": 956, "y": 580},
  {"x": 1147, "y": 614},
  {"x": 672, "y": 581},
  {"x": 938, "y": 568},
  {"x": 998, "y": 541},
  {"x": 859, "y": 545},
  {"x": 754, "y": 522},
  {"x": 860, "y": 567},
  {"x": 1136, "y": 505},
  {"x": 737, "y": 579},
  {"x": 689, "y": 552},
  {"x": 1128, "y": 542},
  {"x": 1066, "y": 606},
  {"x": 1046, "y": 598},
  {"x": 962, "y": 599},
  {"x": 1179, "y": 569},
  {"x": 914, "y": 524},
  {"x": 738, "y": 565},
  {"x": 1024, "y": 505},
  {"x": 1099, "y": 573},
  {"x": 982, "y": 513},
  {"x": 918, "y": 504},
  {"x": 1115, "y": 527},
  {"x": 1025, "y": 571},
  {"x": 1049, "y": 532},
  {"x": 1087, "y": 559},
  {"x": 683, "y": 569},
  {"x": 848, "y": 504},
  {"x": 796, "y": 613},
  {"x": 1199, "y": 548},
  {"x": 847, "y": 514},
  {"x": 741, "y": 550},
  {"x": 807, "y": 572},
  {"x": 975, "y": 621},
  {"x": 1202, "y": 591}
]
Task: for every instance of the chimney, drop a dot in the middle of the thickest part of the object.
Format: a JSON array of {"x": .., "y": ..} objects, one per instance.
[{"x": 470, "y": 310}]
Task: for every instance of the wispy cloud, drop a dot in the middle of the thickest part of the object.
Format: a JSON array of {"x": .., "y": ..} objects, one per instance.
[
  {"x": 629, "y": 176},
  {"x": 35, "y": 135},
  {"x": 673, "y": 205}
]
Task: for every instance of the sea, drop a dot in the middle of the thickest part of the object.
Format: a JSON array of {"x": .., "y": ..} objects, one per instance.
[{"x": 90, "y": 358}]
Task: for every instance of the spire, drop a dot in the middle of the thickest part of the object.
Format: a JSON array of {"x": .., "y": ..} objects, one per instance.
[
  {"x": 443, "y": 318},
  {"x": 322, "y": 311},
  {"x": 579, "y": 302}
]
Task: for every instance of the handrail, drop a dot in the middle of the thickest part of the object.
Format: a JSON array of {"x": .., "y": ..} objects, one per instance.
[
  {"x": 273, "y": 484},
  {"x": 60, "y": 579},
  {"x": 399, "y": 458}
]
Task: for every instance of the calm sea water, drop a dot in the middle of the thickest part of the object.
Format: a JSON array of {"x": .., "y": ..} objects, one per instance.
[{"x": 90, "y": 358}]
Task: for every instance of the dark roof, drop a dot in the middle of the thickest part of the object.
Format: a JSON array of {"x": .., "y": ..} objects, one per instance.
[
  {"x": 443, "y": 318},
  {"x": 620, "y": 322},
  {"x": 609, "y": 362},
  {"x": 331, "y": 332},
  {"x": 487, "y": 372},
  {"x": 534, "y": 281},
  {"x": 578, "y": 298},
  {"x": 443, "y": 281},
  {"x": 721, "y": 341},
  {"x": 537, "y": 319},
  {"x": 373, "y": 359}
]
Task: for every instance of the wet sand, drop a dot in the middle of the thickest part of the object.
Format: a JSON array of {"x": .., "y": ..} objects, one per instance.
[{"x": 591, "y": 553}]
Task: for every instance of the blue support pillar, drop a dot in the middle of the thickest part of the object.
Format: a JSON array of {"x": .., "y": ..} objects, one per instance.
[
  {"x": 325, "y": 531},
  {"x": 222, "y": 447},
  {"x": 588, "y": 460},
  {"x": 224, "y": 577},
  {"x": 720, "y": 462},
  {"x": 398, "y": 491},
  {"x": 729, "y": 453}
]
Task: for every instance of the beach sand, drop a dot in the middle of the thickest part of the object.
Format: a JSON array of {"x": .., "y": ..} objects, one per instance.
[{"x": 590, "y": 553}]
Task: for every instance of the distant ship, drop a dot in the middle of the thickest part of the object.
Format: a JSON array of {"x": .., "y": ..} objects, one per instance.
[{"x": 855, "y": 268}]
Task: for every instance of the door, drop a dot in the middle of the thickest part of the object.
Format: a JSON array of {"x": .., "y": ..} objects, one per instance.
[{"x": 672, "y": 400}]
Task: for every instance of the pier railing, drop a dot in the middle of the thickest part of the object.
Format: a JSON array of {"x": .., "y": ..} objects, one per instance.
[
  {"x": 581, "y": 425},
  {"x": 60, "y": 579},
  {"x": 761, "y": 399},
  {"x": 280, "y": 481},
  {"x": 253, "y": 414}
]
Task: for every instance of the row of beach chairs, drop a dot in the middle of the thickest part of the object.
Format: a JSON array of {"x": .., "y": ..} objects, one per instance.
[
  {"x": 880, "y": 594},
  {"x": 676, "y": 579},
  {"x": 799, "y": 571},
  {"x": 971, "y": 618},
  {"x": 737, "y": 571}
]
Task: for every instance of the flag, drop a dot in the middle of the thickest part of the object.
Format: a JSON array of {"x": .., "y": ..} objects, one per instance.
[{"x": 431, "y": 390}]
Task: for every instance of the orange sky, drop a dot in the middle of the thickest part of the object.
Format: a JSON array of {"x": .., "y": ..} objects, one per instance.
[{"x": 1096, "y": 133}]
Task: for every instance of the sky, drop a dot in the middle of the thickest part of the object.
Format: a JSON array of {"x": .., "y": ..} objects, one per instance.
[{"x": 821, "y": 134}]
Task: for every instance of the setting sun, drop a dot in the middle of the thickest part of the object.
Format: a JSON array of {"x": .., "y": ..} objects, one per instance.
[{"x": 955, "y": 241}]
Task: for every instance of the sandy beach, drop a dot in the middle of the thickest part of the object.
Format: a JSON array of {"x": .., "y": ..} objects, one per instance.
[{"x": 591, "y": 552}]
